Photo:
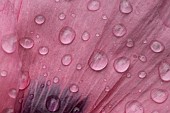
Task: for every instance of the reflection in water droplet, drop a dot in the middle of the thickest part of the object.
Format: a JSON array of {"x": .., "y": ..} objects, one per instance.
[
  {"x": 43, "y": 50},
  {"x": 12, "y": 93},
  {"x": 53, "y": 103},
  {"x": 142, "y": 58},
  {"x": 142, "y": 74},
  {"x": 121, "y": 64},
  {"x": 26, "y": 43},
  {"x": 62, "y": 16},
  {"x": 93, "y": 5},
  {"x": 9, "y": 43},
  {"x": 55, "y": 80},
  {"x": 3, "y": 73},
  {"x": 67, "y": 35},
  {"x": 134, "y": 107},
  {"x": 66, "y": 59},
  {"x": 79, "y": 66},
  {"x": 74, "y": 88},
  {"x": 156, "y": 46},
  {"x": 85, "y": 36},
  {"x": 130, "y": 43},
  {"x": 119, "y": 30},
  {"x": 159, "y": 95},
  {"x": 164, "y": 71},
  {"x": 98, "y": 61},
  {"x": 24, "y": 81},
  {"x": 39, "y": 19},
  {"x": 125, "y": 6}
]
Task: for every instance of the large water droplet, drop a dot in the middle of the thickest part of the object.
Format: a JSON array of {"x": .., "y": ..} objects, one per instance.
[
  {"x": 121, "y": 64},
  {"x": 24, "y": 81},
  {"x": 98, "y": 61},
  {"x": 9, "y": 43},
  {"x": 66, "y": 59},
  {"x": 43, "y": 50},
  {"x": 39, "y": 19},
  {"x": 164, "y": 71},
  {"x": 3, "y": 73},
  {"x": 12, "y": 93},
  {"x": 62, "y": 16},
  {"x": 93, "y": 5},
  {"x": 130, "y": 43},
  {"x": 142, "y": 74},
  {"x": 156, "y": 46},
  {"x": 26, "y": 43},
  {"x": 74, "y": 88},
  {"x": 119, "y": 30},
  {"x": 125, "y": 6},
  {"x": 53, "y": 103},
  {"x": 67, "y": 35},
  {"x": 85, "y": 36},
  {"x": 134, "y": 107},
  {"x": 159, "y": 95},
  {"x": 142, "y": 58}
]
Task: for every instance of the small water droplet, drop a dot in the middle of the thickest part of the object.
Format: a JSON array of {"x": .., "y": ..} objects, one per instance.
[
  {"x": 62, "y": 16},
  {"x": 79, "y": 66},
  {"x": 73, "y": 15},
  {"x": 107, "y": 88},
  {"x": 164, "y": 71},
  {"x": 9, "y": 43},
  {"x": 130, "y": 43},
  {"x": 121, "y": 64},
  {"x": 142, "y": 58},
  {"x": 55, "y": 80},
  {"x": 159, "y": 95},
  {"x": 85, "y": 36},
  {"x": 66, "y": 59},
  {"x": 53, "y": 103},
  {"x": 26, "y": 43},
  {"x": 156, "y": 46},
  {"x": 119, "y": 30},
  {"x": 74, "y": 88},
  {"x": 3, "y": 73},
  {"x": 12, "y": 93},
  {"x": 8, "y": 110},
  {"x": 67, "y": 35},
  {"x": 142, "y": 74},
  {"x": 48, "y": 82},
  {"x": 43, "y": 50},
  {"x": 140, "y": 91},
  {"x": 134, "y": 107},
  {"x": 98, "y": 61},
  {"x": 31, "y": 96},
  {"x": 97, "y": 34},
  {"x": 125, "y": 6},
  {"x": 39, "y": 19},
  {"x": 104, "y": 17},
  {"x": 42, "y": 86},
  {"x": 93, "y": 5},
  {"x": 45, "y": 74},
  {"x": 128, "y": 75},
  {"x": 24, "y": 81}
]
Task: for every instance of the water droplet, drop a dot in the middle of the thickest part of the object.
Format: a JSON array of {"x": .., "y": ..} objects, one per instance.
[
  {"x": 125, "y": 6},
  {"x": 155, "y": 112},
  {"x": 142, "y": 58},
  {"x": 74, "y": 88},
  {"x": 164, "y": 71},
  {"x": 79, "y": 66},
  {"x": 159, "y": 95},
  {"x": 45, "y": 74},
  {"x": 48, "y": 82},
  {"x": 43, "y": 50},
  {"x": 93, "y": 5},
  {"x": 130, "y": 43},
  {"x": 9, "y": 43},
  {"x": 53, "y": 103},
  {"x": 142, "y": 74},
  {"x": 156, "y": 46},
  {"x": 31, "y": 96},
  {"x": 97, "y": 34},
  {"x": 104, "y": 17},
  {"x": 66, "y": 60},
  {"x": 98, "y": 61},
  {"x": 24, "y": 81},
  {"x": 55, "y": 80},
  {"x": 26, "y": 43},
  {"x": 73, "y": 15},
  {"x": 42, "y": 86},
  {"x": 39, "y": 19},
  {"x": 134, "y": 107},
  {"x": 121, "y": 64},
  {"x": 85, "y": 36},
  {"x": 67, "y": 35},
  {"x": 62, "y": 16},
  {"x": 119, "y": 30},
  {"x": 3, "y": 73},
  {"x": 12, "y": 93},
  {"x": 128, "y": 75},
  {"x": 107, "y": 88},
  {"x": 8, "y": 110}
]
